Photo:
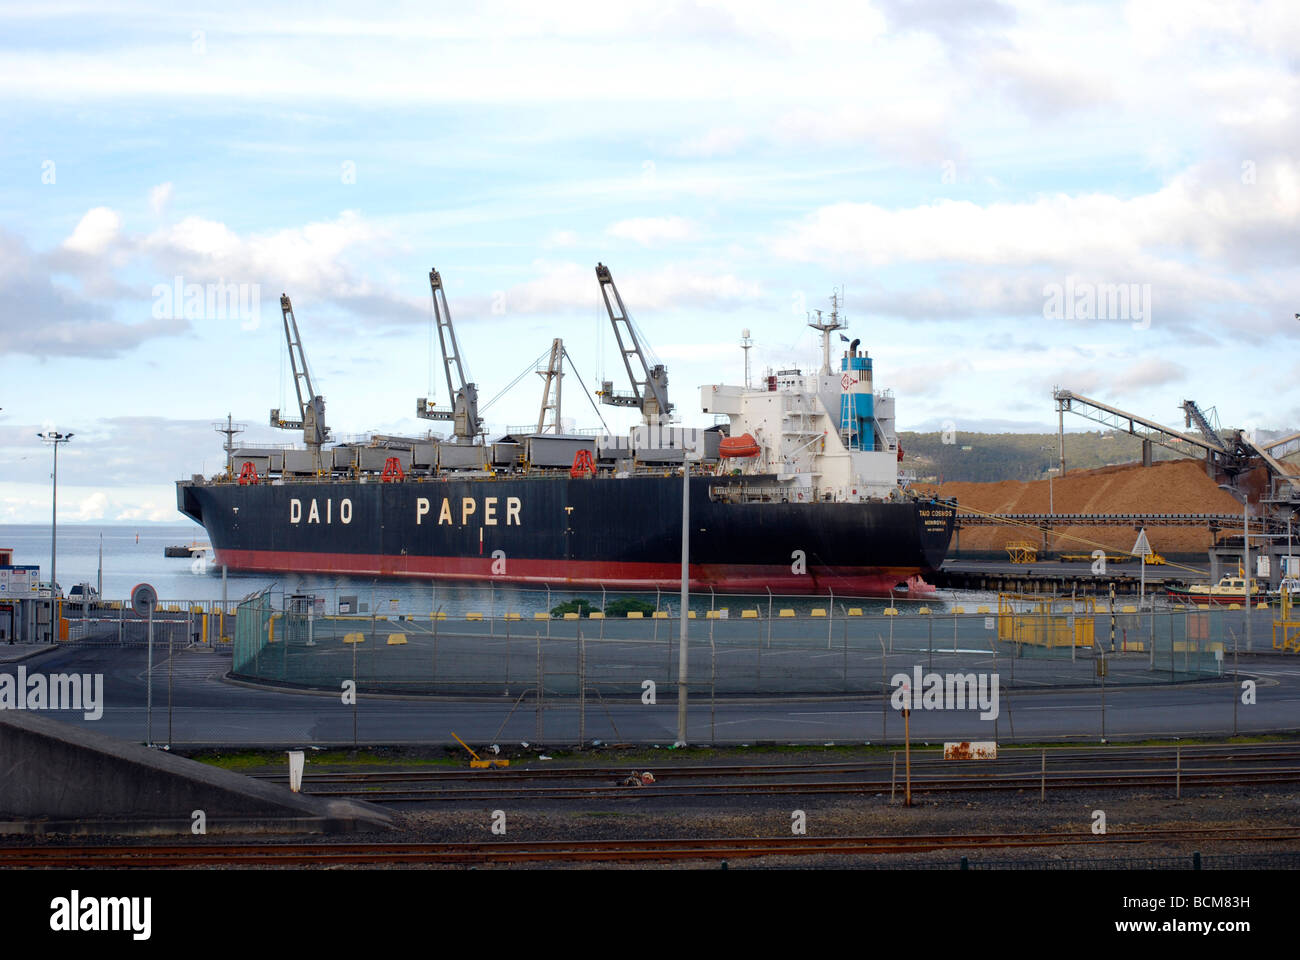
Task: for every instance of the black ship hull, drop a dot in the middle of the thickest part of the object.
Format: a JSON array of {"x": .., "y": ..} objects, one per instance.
[{"x": 616, "y": 532}]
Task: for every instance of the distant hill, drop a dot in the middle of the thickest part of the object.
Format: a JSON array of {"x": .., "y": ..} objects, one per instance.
[{"x": 992, "y": 457}]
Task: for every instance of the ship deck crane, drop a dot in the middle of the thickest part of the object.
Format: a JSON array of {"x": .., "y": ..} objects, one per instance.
[
  {"x": 463, "y": 395},
  {"x": 311, "y": 407},
  {"x": 650, "y": 387}
]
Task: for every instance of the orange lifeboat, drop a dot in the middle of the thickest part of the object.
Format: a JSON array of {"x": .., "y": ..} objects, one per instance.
[{"x": 741, "y": 446}]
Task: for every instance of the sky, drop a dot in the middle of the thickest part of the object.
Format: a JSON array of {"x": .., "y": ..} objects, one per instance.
[{"x": 1008, "y": 196}]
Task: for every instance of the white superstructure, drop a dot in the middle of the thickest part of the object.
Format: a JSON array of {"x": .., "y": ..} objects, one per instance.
[{"x": 826, "y": 436}]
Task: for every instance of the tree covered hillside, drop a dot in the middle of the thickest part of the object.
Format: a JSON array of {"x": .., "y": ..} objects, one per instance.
[{"x": 987, "y": 457}]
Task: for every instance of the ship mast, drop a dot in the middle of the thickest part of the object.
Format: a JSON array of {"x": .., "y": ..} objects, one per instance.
[
  {"x": 827, "y": 328},
  {"x": 551, "y": 378},
  {"x": 230, "y": 429}
]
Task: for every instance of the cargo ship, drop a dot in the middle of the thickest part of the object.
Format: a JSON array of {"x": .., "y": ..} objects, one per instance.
[{"x": 795, "y": 489}]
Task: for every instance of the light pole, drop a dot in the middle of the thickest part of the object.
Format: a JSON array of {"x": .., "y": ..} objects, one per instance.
[
  {"x": 686, "y": 594},
  {"x": 55, "y": 438}
]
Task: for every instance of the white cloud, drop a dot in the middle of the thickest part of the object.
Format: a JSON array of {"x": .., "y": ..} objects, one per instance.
[
  {"x": 159, "y": 197},
  {"x": 95, "y": 232},
  {"x": 650, "y": 231},
  {"x": 561, "y": 238},
  {"x": 564, "y": 287}
]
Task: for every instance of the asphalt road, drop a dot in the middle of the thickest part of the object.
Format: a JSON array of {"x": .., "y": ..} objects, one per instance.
[{"x": 206, "y": 709}]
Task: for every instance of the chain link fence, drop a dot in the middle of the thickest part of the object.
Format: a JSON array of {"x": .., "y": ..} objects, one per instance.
[{"x": 616, "y": 671}]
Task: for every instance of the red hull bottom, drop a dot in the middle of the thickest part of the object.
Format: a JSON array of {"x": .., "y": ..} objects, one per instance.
[{"x": 739, "y": 578}]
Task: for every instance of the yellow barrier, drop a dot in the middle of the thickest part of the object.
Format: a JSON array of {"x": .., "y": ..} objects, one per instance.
[
  {"x": 541, "y": 616},
  {"x": 659, "y": 615},
  {"x": 513, "y": 616},
  {"x": 596, "y": 615},
  {"x": 748, "y": 614},
  {"x": 785, "y": 612},
  {"x": 989, "y": 610},
  {"x": 396, "y": 639},
  {"x": 354, "y": 638},
  {"x": 1043, "y": 626},
  {"x": 691, "y": 615},
  {"x": 818, "y": 612},
  {"x": 958, "y": 609},
  {"x": 571, "y": 616},
  {"x": 923, "y": 610},
  {"x": 891, "y": 611},
  {"x": 855, "y": 611},
  {"x": 635, "y": 615}
]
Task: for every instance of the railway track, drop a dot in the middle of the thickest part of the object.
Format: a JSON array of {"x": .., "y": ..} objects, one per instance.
[
  {"x": 716, "y": 848},
  {"x": 1211, "y": 766}
]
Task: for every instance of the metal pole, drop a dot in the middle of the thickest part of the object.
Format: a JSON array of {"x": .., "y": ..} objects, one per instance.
[
  {"x": 148, "y": 697},
  {"x": 907, "y": 752},
  {"x": 1236, "y": 680},
  {"x": 1103, "y": 695},
  {"x": 1245, "y": 546},
  {"x": 54, "y": 524},
  {"x": 171, "y": 636},
  {"x": 1042, "y": 783},
  {"x": 1142, "y": 583},
  {"x": 1112, "y": 617},
  {"x": 884, "y": 695},
  {"x": 1060, "y": 433},
  {"x": 582, "y": 688},
  {"x": 686, "y": 595},
  {"x": 845, "y": 677}
]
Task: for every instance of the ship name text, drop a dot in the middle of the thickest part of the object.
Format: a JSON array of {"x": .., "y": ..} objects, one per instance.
[
  {"x": 468, "y": 507},
  {"x": 317, "y": 514}
]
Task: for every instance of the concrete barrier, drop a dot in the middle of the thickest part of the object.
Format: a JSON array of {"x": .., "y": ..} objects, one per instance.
[{"x": 55, "y": 777}]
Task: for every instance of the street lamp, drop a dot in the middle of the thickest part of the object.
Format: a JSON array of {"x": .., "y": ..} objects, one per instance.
[
  {"x": 686, "y": 594},
  {"x": 55, "y": 438}
]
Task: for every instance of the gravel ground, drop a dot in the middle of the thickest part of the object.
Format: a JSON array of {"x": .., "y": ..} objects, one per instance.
[{"x": 652, "y": 813}]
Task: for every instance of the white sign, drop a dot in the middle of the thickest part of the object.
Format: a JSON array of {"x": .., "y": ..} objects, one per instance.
[
  {"x": 971, "y": 750},
  {"x": 1142, "y": 548}
]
